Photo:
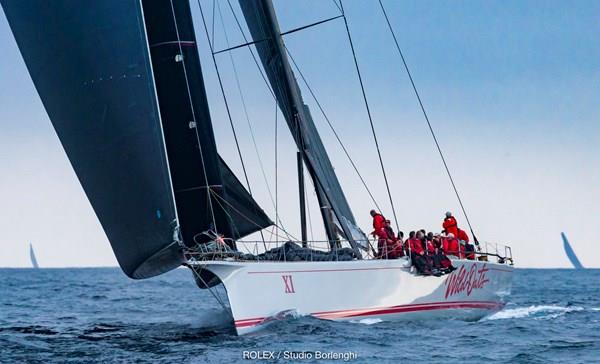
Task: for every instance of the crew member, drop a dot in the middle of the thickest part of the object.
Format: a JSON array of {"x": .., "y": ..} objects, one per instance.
[
  {"x": 450, "y": 224},
  {"x": 378, "y": 222}
]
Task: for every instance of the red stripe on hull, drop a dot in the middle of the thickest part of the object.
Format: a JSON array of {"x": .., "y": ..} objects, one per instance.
[{"x": 387, "y": 310}]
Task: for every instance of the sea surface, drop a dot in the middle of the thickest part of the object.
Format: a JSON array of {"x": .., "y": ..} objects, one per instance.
[{"x": 99, "y": 315}]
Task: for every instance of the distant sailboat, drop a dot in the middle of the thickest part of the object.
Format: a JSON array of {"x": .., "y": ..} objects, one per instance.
[
  {"x": 34, "y": 262},
  {"x": 571, "y": 253}
]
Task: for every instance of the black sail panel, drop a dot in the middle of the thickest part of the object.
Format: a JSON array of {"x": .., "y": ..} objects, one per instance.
[
  {"x": 89, "y": 62},
  {"x": 203, "y": 184},
  {"x": 262, "y": 22},
  {"x": 246, "y": 215}
]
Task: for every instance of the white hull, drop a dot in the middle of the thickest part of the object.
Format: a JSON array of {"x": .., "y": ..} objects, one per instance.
[{"x": 355, "y": 290}]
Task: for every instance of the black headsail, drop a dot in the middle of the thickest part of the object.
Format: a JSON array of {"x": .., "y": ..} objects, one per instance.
[
  {"x": 91, "y": 65},
  {"x": 89, "y": 62},
  {"x": 207, "y": 194},
  {"x": 262, "y": 22}
]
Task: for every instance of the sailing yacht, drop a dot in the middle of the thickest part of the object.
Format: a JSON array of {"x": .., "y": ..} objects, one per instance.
[
  {"x": 124, "y": 88},
  {"x": 34, "y": 262}
]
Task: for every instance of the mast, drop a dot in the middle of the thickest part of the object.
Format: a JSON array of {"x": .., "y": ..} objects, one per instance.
[
  {"x": 335, "y": 210},
  {"x": 302, "y": 199}
]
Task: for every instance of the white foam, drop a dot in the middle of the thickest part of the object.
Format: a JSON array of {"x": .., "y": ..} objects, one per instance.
[
  {"x": 541, "y": 311},
  {"x": 368, "y": 321}
]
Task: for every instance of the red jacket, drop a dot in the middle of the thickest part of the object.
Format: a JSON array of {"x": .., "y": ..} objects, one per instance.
[
  {"x": 430, "y": 247},
  {"x": 462, "y": 235},
  {"x": 450, "y": 226},
  {"x": 378, "y": 223},
  {"x": 415, "y": 246},
  {"x": 451, "y": 246}
]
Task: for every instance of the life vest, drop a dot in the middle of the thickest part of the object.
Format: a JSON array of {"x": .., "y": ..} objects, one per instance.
[{"x": 450, "y": 226}]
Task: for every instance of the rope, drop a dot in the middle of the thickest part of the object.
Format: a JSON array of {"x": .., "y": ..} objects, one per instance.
[
  {"x": 209, "y": 288},
  {"x": 187, "y": 84},
  {"x": 332, "y": 128},
  {"x": 246, "y": 217},
  {"x": 428, "y": 122},
  {"x": 250, "y": 49},
  {"x": 237, "y": 80},
  {"x": 362, "y": 87},
  {"x": 225, "y": 100},
  {"x": 245, "y": 109}
]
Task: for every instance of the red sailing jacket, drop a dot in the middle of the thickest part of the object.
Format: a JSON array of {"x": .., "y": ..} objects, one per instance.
[
  {"x": 378, "y": 222},
  {"x": 451, "y": 246},
  {"x": 450, "y": 226},
  {"x": 430, "y": 247},
  {"x": 462, "y": 235},
  {"x": 415, "y": 246}
]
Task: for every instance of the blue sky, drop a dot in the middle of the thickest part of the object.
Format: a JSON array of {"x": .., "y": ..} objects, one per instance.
[{"x": 511, "y": 88}]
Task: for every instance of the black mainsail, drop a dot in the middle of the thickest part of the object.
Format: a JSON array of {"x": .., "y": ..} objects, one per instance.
[
  {"x": 262, "y": 21},
  {"x": 133, "y": 143}
]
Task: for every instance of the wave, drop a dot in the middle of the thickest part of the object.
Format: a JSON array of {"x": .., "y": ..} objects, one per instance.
[
  {"x": 368, "y": 321},
  {"x": 535, "y": 311}
]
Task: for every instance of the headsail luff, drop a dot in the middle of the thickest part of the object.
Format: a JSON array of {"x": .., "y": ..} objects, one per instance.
[
  {"x": 206, "y": 192},
  {"x": 89, "y": 62},
  {"x": 262, "y": 21}
]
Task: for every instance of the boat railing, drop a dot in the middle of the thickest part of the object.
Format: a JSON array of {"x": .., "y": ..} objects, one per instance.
[
  {"x": 250, "y": 250},
  {"x": 502, "y": 252}
]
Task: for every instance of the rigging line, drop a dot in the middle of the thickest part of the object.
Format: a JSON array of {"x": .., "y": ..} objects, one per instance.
[
  {"x": 276, "y": 172},
  {"x": 250, "y": 49},
  {"x": 310, "y": 25},
  {"x": 277, "y": 219},
  {"x": 364, "y": 94},
  {"x": 217, "y": 198},
  {"x": 213, "y": 21},
  {"x": 204, "y": 282},
  {"x": 428, "y": 122},
  {"x": 228, "y": 49},
  {"x": 245, "y": 109},
  {"x": 225, "y": 100},
  {"x": 332, "y": 128},
  {"x": 337, "y": 6},
  {"x": 187, "y": 84},
  {"x": 239, "y": 87}
]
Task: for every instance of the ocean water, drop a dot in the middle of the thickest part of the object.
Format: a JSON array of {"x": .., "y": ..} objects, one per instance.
[{"x": 99, "y": 315}]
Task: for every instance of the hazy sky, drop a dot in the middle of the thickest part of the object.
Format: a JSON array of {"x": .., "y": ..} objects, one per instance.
[{"x": 512, "y": 88}]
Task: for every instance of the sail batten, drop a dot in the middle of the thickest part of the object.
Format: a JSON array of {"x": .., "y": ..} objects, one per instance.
[{"x": 262, "y": 22}]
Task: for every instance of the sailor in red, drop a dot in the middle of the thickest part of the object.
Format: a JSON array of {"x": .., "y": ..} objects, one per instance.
[
  {"x": 451, "y": 245},
  {"x": 450, "y": 224},
  {"x": 462, "y": 235},
  {"x": 382, "y": 246},
  {"x": 378, "y": 222}
]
